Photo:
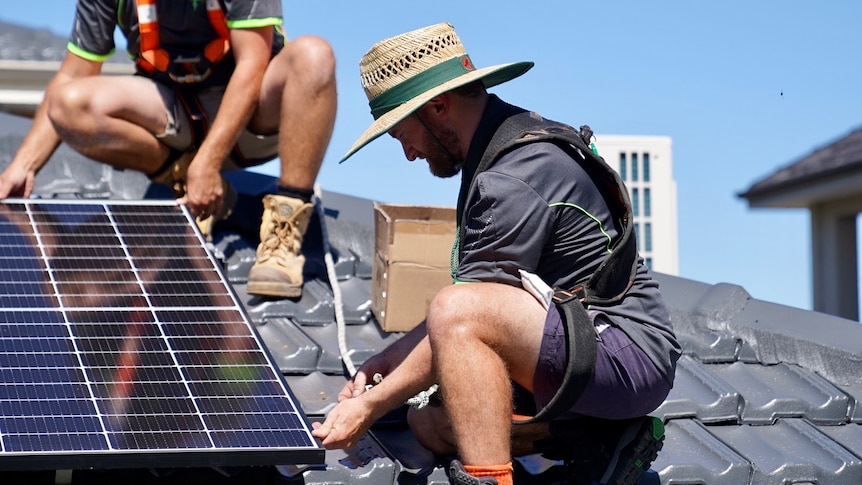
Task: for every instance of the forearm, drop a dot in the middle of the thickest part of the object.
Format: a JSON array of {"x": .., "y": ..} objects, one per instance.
[
  {"x": 406, "y": 369},
  {"x": 413, "y": 375},
  {"x": 237, "y": 105},
  {"x": 251, "y": 49},
  {"x": 39, "y": 143}
]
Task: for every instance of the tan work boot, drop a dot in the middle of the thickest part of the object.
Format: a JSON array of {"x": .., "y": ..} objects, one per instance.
[
  {"x": 175, "y": 178},
  {"x": 175, "y": 175},
  {"x": 278, "y": 270}
]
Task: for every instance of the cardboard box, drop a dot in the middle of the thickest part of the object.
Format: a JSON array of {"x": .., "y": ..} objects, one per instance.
[{"x": 413, "y": 245}]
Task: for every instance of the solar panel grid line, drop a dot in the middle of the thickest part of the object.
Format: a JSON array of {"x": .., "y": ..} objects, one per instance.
[
  {"x": 46, "y": 262},
  {"x": 155, "y": 315},
  {"x": 167, "y": 364}
]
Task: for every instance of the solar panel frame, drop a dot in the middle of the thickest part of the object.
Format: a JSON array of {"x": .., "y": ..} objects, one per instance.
[{"x": 122, "y": 344}]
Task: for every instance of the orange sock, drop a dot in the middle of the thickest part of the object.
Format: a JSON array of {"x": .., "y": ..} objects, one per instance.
[{"x": 502, "y": 473}]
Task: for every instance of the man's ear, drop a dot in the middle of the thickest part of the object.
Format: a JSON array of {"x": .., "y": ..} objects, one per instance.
[{"x": 438, "y": 106}]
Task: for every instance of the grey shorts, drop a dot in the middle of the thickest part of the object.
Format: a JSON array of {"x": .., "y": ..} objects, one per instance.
[
  {"x": 250, "y": 150},
  {"x": 625, "y": 384}
]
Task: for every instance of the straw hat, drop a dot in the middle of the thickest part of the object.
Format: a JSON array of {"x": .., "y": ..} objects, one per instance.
[{"x": 402, "y": 73}]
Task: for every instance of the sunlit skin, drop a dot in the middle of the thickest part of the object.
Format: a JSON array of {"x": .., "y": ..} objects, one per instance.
[{"x": 418, "y": 142}]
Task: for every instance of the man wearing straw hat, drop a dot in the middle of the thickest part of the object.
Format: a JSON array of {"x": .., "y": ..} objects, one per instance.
[{"x": 535, "y": 222}]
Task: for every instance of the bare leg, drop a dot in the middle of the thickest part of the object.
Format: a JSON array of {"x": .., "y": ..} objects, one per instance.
[
  {"x": 483, "y": 335},
  {"x": 298, "y": 100},
  {"x": 432, "y": 429},
  {"x": 112, "y": 119}
]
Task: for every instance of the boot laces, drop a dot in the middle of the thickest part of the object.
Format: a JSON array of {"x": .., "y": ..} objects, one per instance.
[{"x": 282, "y": 236}]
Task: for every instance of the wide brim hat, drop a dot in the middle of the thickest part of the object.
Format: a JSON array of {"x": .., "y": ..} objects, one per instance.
[{"x": 402, "y": 73}]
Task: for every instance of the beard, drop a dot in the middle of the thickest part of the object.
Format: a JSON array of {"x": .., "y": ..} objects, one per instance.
[{"x": 441, "y": 161}]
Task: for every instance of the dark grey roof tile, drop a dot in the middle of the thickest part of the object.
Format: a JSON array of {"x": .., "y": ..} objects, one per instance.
[
  {"x": 314, "y": 308},
  {"x": 367, "y": 463},
  {"x": 792, "y": 451},
  {"x": 237, "y": 254},
  {"x": 691, "y": 454},
  {"x": 854, "y": 414},
  {"x": 849, "y": 436},
  {"x": 292, "y": 350},
  {"x": 828, "y": 345},
  {"x": 699, "y": 393},
  {"x": 317, "y": 392},
  {"x": 710, "y": 347},
  {"x": 776, "y": 391},
  {"x": 356, "y": 300},
  {"x": 699, "y": 306}
]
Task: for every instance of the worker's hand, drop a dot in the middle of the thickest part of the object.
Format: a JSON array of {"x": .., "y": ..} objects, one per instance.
[
  {"x": 345, "y": 425},
  {"x": 376, "y": 364},
  {"x": 354, "y": 387},
  {"x": 16, "y": 182},
  {"x": 204, "y": 190}
]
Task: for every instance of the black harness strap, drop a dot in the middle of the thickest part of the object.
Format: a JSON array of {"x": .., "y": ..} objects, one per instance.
[
  {"x": 197, "y": 115},
  {"x": 200, "y": 122},
  {"x": 614, "y": 276}
]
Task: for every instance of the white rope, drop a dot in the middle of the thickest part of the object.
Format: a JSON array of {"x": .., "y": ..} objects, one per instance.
[
  {"x": 336, "y": 288},
  {"x": 418, "y": 401}
]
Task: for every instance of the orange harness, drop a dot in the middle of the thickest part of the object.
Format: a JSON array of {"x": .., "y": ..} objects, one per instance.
[{"x": 154, "y": 58}]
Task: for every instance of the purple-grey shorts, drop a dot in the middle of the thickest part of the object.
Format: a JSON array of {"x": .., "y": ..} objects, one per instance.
[{"x": 625, "y": 384}]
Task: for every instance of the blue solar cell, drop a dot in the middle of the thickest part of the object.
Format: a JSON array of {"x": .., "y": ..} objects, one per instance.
[
  {"x": 59, "y": 442},
  {"x": 119, "y": 333},
  {"x": 50, "y": 424}
]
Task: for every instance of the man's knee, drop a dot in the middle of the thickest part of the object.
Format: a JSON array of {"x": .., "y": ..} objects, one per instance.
[
  {"x": 312, "y": 57},
  {"x": 66, "y": 103},
  {"x": 449, "y": 313}
]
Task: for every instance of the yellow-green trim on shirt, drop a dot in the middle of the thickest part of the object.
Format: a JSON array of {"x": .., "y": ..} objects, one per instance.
[
  {"x": 596, "y": 219},
  {"x": 87, "y": 54},
  {"x": 254, "y": 23}
]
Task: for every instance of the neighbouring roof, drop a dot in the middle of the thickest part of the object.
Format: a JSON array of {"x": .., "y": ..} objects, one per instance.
[
  {"x": 822, "y": 175},
  {"x": 27, "y": 44},
  {"x": 22, "y": 43},
  {"x": 764, "y": 393}
]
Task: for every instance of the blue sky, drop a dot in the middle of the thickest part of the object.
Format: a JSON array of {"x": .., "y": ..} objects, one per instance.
[{"x": 741, "y": 87}]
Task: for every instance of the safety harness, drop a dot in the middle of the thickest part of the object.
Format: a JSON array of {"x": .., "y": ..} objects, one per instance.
[
  {"x": 186, "y": 71},
  {"x": 614, "y": 276},
  {"x": 180, "y": 69}
]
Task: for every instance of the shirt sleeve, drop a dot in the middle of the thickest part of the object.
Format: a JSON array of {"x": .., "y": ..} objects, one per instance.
[
  {"x": 506, "y": 226},
  {"x": 249, "y": 14},
  {"x": 92, "y": 34}
]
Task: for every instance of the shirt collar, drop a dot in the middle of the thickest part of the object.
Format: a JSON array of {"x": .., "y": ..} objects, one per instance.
[{"x": 496, "y": 112}]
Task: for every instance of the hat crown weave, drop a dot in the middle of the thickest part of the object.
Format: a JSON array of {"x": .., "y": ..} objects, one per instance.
[{"x": 396, "y": 59}]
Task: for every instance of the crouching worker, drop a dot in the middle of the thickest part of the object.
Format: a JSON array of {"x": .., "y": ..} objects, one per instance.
[
  {"x": 217, "y": 88},
  {"x": 549, "y": 291}
]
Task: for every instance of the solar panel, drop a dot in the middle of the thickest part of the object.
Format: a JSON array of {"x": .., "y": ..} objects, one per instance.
[{"x": 122, "y": 345}]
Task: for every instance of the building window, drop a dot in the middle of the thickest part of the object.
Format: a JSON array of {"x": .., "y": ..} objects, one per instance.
[
  {"x": 647, "y": 201},
  {"x": 638, "y": 235},
  {"x": 646, "y": 167},
  {"x": 623, "y": 166},
  {"x": 648, "y": 237},
  {"x": 636, "y": 202},
  {"x": 648, "y": 262},
  {"x": 634, "y": 167}
]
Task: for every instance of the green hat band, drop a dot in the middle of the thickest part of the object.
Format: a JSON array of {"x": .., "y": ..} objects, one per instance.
[{"x": 420, "y": 83}]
